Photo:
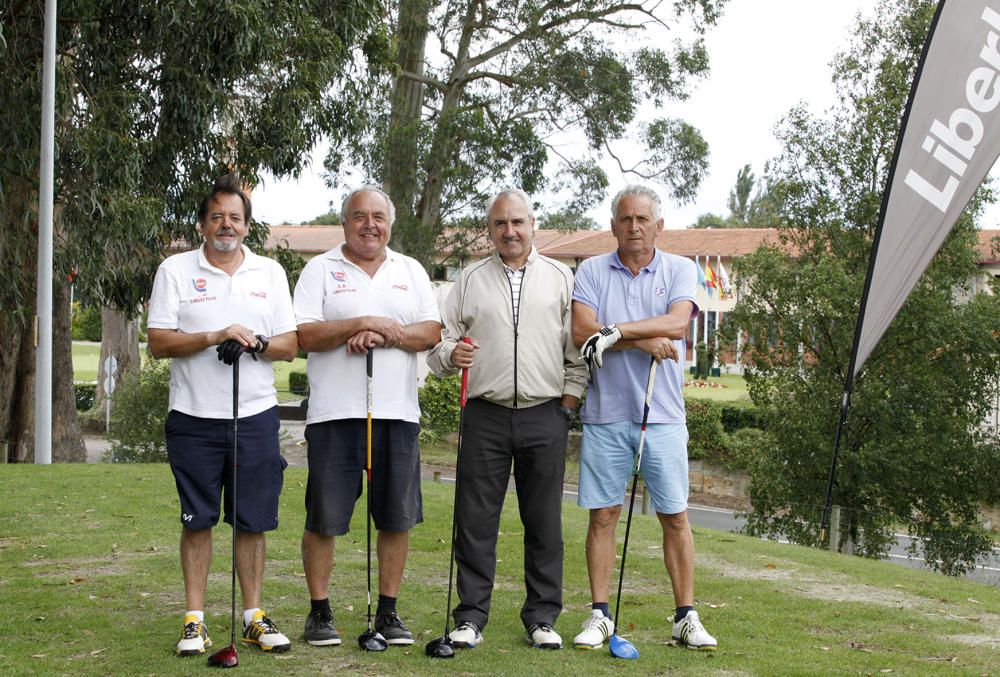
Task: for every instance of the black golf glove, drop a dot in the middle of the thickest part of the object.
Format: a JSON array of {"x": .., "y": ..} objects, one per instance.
[{"x": 230, "y": 350}]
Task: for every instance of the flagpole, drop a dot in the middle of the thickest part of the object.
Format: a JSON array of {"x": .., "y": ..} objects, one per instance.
[
  {"x": 845, "y": 402},
  {"x": 694, "y": 333},
  {"x": 718, "y": 312}
]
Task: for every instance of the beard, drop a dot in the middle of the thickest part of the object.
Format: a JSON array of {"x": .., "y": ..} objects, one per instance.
[{"x": 225, "y": 246}]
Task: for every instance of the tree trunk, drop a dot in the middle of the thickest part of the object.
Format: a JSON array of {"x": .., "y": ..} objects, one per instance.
[
  {"x": 67, "y": 437},
  {"x": 399, "y": 172},
  {"x": 440, "y": 156},
  {"x": 17, "y": 386},
  {"x": 120, "y": 339},
  {"x": 17, "y": 383}
]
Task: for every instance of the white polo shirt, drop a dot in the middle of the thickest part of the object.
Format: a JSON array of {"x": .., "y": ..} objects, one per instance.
[
  {"x": 191, "y": 295},
  {"x": 332, "y": 288}
]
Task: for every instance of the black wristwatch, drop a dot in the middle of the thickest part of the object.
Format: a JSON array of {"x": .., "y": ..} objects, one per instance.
[
  {"x": 567, "y": 412},
  {"x": 263, "y": 343}
]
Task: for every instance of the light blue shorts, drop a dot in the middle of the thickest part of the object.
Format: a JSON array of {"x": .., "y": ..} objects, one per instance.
[{"x": 607, "y": 457}]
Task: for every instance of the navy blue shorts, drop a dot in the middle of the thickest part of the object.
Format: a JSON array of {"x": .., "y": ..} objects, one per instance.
[
  {"x": 337, "y": 454},
  {"x": 200, "y": 451}
]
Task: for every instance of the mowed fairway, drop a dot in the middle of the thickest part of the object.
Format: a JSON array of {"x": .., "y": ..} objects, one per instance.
[{"x": 91, "y": 585}]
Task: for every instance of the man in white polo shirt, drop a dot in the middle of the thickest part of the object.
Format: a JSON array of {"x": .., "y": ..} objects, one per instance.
[
  {"x": 358, "y": 297},
  {"x": 209, "y": 305}
]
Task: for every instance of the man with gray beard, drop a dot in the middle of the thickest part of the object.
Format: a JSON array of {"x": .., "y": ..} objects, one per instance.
[{"x": 208, "y": 307}]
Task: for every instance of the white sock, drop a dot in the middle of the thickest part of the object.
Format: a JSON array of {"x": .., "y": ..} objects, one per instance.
[
  {"x": 200, "y": 615},
  {"x": 248, "y": 615}
]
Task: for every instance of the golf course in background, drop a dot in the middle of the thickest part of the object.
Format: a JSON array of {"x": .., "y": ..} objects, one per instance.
[{"x": 91, "y": 585}]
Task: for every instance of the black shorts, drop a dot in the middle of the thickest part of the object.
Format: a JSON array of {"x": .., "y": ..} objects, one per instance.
[
  {"x": 337, "y": 455},
  {"x": 200, "y": 451}
]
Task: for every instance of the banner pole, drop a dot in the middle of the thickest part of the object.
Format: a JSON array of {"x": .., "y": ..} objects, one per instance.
[{"x": 845, "y": 402}]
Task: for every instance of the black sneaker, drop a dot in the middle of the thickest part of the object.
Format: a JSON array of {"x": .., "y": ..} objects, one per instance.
[
  {"x": 320, "y": 630},
  {"x": 391, "y": 627}
]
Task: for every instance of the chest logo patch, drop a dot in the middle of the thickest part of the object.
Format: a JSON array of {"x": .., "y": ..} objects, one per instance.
[
  {"x": 660, "y": 291},
  {"x": 339, "y": 275},
  {"x": 200, "y": 285},
  {"x": 401, "y": 287}
]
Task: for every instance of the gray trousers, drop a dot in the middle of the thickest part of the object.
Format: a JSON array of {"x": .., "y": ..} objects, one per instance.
[{"x": 534, "y": 440}]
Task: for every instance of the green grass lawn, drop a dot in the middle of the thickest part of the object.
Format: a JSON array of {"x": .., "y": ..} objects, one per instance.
[
  {"x": 91, "y": 585},
  {"x": 725, "y": 388}
]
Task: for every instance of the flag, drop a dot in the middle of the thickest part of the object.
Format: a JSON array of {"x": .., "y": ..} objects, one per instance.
[
  {"x": 711, "y": 279},
  {"x": 727, "y": 286},
  {"x": 701, "y": 275},
  {"x": 949, "y": 140}
]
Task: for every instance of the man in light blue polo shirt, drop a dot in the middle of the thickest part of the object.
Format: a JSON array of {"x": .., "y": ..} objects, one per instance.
[{"x": 635, "y": 303}]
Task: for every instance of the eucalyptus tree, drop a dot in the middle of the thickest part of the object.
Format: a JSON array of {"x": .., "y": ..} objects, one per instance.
[
  {"x": 533, "y": 93},
  {"x": 154, "y": 99}
]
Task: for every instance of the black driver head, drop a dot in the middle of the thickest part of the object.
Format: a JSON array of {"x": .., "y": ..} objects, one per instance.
[
  {"x": 369, "y": 640},
  {"x": 442, "y": 647}
]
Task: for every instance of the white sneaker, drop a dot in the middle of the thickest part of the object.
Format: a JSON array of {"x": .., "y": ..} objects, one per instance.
[
  {"x": 194, "y": 637},
  {"x": 691, "y": 633},
  {"x": 596, "y": 629},
  {"x": 465, "y": 635},
  {"x": 263, "y": 633},
  {"x": 542, "y": 636}
]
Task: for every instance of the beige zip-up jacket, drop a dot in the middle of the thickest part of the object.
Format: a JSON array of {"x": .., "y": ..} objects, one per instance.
[{"x": 516, "y": 366}]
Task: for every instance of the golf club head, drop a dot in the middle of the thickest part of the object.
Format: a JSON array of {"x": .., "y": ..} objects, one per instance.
[
  {"x": 224, "y": 658},
  {"x": 622, "y": 648},
  {"x": 369, "y": 640},
  {"x": 442, "y": 647}
]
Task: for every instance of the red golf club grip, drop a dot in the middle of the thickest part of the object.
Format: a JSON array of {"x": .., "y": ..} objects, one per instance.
[{"x": 465, "y": 377}]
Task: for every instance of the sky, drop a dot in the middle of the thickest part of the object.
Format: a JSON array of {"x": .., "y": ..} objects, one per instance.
[{"x": 767, "y": 56}]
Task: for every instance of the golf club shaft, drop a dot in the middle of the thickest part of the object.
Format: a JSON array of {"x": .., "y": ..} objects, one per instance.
[
  {"x": 454, "y": 505},
  {"x": 635, "y": 481},
  {"x": 368, "y": 490},
  {"x": 236, "y": 428}
]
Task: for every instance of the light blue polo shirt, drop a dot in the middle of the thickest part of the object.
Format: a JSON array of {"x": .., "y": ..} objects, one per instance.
[{"x": 618, "y": 389}]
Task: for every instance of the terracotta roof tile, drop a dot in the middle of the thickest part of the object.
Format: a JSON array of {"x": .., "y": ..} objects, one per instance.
[{"x": 581, "y": 244}]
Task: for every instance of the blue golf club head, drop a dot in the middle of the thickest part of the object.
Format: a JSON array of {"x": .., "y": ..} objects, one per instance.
[{"x": 622, "y": 648}]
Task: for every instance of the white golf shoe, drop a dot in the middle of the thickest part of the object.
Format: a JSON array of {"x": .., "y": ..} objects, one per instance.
[
  {"x": 689, "y": 632},
  {"x": 596, "y": 630}
]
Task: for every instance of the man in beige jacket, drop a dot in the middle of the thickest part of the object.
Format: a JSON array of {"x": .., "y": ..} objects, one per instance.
[{"x": 525, "y": 381}]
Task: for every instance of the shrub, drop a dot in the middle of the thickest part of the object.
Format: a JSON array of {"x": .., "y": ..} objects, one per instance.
[
  {"x": 86, "y": 322},
  {"x": 439, "y": 404},
  {"x": 85, "y": 393},
  {"x": 139, "y": 413},
  {"x": 701, "y": 368},
  {"x": 744, "y": 446},
  {"x": 706, "y": 438},
  {"x": 298, "y": 383},
  {"x": 737, "y": 416}
]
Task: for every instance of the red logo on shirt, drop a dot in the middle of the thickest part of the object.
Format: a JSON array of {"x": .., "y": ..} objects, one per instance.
[
  {"x": 200, "y": 285},
  {"x": 339, "y": 275}
]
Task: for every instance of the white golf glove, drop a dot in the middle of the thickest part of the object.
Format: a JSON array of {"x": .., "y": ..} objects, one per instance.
[{"x": 598, "y": 343}]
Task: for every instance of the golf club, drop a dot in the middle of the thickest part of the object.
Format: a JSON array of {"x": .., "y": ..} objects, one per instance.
[
  {"x": 443, "y": 647},
  {"x": 619, "y": 647},
  {"x": 226, "y": 657},
  {"x": 370, "y": 639}
]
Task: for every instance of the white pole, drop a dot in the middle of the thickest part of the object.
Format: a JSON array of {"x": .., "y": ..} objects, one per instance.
[
  {"x": 709, "y": 295},
  {"x": 694, "y": 334},
  {"x": 718, "y": 310},
  {"x": 43, "y": 327}
]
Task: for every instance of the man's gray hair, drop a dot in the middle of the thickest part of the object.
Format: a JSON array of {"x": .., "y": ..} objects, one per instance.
[
  {"x": 637, "y": 190},
  {"x": 368, "y": 188},
  {"x": 510, "y": 191}
]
